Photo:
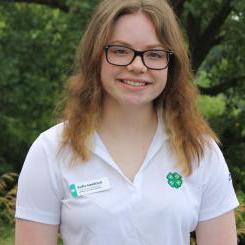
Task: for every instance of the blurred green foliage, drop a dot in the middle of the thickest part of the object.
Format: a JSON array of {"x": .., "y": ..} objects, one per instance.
[
  {"x": 7, "y": 197},
  {"x": 37, "y": 45},
  {"x": 36, "y": 54}
]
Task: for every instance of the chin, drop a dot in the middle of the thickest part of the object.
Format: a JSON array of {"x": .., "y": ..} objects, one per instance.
[{"x": 136, "y": 102}]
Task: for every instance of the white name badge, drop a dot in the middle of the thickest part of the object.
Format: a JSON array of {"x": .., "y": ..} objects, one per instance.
[{"x": 84, "y": 188}]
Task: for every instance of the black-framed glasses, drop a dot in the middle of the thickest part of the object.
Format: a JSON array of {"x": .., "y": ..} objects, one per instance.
[{"x": 154, "y": 59}]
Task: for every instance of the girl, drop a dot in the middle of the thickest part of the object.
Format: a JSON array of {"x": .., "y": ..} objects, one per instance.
[{"x": 133, "y": 162}]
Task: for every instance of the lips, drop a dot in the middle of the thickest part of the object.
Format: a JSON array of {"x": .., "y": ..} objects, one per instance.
[{"x": 135, "y": 82}]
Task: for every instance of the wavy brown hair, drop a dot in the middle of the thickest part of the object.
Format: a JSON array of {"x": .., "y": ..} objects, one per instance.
[{"x": 188, "y": 131}]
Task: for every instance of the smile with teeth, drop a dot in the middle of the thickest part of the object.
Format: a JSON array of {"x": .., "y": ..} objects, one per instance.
[{"x": 133, "y": 83}]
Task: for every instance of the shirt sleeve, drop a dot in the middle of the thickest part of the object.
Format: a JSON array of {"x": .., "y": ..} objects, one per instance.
[
  {"x": 38, "y": 196},
  {"x": 218, "y": 196}
]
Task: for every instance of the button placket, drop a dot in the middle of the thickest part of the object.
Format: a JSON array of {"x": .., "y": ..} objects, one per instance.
[{"x": 138, "y": 182}]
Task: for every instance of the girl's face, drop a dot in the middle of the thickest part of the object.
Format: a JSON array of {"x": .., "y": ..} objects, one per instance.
[{"x": 134, "y": 84}]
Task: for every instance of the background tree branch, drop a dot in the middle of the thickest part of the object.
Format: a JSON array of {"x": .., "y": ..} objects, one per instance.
[
  {"x": 222, "y": 87},
  {"x": 178, "y": 6},
  {"x": 202, "y": 43},
  {"x": 199, "y": 48},
  {"x": 49, "y": 3}
]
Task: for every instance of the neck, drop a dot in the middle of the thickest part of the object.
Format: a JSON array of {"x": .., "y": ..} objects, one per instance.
[{"x": 127, "y": 120}]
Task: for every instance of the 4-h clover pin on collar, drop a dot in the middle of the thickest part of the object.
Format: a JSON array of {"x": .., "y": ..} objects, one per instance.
[{"x": 174, "y": 180}]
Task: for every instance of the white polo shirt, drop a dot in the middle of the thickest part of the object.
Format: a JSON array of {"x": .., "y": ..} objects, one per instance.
[{"x": 96, "y": 204}]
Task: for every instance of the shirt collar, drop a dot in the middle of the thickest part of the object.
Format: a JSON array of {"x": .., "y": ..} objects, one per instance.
[{"x": 98, "y": 147}]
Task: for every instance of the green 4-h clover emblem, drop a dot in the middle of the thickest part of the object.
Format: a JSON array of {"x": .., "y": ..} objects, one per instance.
[{"x": 174, "y": 180}]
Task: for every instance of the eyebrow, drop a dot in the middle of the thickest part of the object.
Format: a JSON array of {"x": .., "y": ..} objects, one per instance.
[{"x": 152, "y": 46}]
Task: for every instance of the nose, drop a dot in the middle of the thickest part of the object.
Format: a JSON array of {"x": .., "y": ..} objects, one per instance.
[{"x": 137, "y": 65}]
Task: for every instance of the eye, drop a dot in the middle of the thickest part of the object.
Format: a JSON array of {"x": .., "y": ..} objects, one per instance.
[
  {"x": 155, "y": 54},
  {"x": 118, "y": 50}
]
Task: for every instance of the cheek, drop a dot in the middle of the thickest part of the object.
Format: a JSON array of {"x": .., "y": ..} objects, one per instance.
[
  {"x": 162, "y": 80},
  {"x": 107, "y": 71}
]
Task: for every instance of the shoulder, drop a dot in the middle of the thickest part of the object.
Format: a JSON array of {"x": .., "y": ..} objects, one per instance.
[
  {"x": 51, "y": 138},
  {"x": 212, "y": 156},
  {"x": 41, "y": 173},
  {"x": 212, "y": 166},
  {"x": 54, "y": 133},
  {"x": 48, "y": 143},
  {"x": 213, "y": 169},
  {"x": 218, "y": 195}
]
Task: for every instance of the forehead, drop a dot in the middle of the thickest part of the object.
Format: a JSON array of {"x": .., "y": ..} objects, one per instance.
[{"x": 136, "y": 30}]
